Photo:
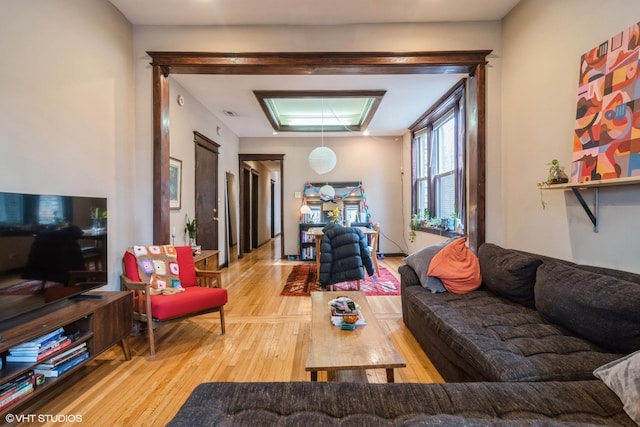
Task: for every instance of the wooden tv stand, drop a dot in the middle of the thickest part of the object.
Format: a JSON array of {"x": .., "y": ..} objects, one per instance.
[{"x": 103, "y": 319}]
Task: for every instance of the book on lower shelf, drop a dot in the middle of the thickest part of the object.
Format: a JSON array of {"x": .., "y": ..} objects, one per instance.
[
  {"x": 37, "y": 355},
  {"x": 42, "y": 347},
  {"x": 63, "y": 367},
  {"x": 12, "y": 391},
  {"x": 39, "y": 342},
  {"x": 63, "y": 357}
]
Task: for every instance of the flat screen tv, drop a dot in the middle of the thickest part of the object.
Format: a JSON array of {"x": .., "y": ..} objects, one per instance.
[{"x": 52, "y": 247}]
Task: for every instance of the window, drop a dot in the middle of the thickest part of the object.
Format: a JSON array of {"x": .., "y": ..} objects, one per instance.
[{"x": 439, "y": 163}]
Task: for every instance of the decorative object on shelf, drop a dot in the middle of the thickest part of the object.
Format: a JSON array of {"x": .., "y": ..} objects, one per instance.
[
  {"x": 327, "y": 192},
  {"x": 190, "y": 227},
  {"x": 556, "y": 176},
  {"x": 305, "y": 209},
  {"x": 311, "y": 190},
  {"x": 556, "y": 173},
  {"x": 175, "y": 183},
  {"x": 335, "y": 215}
]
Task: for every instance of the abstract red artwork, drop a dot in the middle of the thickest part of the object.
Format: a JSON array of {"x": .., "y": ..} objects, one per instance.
[{"x": 606, "y": 140}]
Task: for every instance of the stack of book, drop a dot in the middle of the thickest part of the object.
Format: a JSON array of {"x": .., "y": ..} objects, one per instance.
[
  {"x": 62, "y": 362},
  {"x": 39, "y": 348},
  {"x": 13, "y": 390},
  {"x": 343, "y": 306}
]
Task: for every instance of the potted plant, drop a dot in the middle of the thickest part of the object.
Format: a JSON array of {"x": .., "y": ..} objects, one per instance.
[
  {"x": 556, "y": 173},
  {"x": 190, "y": 227}
]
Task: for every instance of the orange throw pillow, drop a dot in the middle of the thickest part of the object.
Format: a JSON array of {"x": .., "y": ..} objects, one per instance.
[{"x": 457, "y": 266}]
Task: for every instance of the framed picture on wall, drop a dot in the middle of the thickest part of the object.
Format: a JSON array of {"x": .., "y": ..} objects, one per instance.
[{"x": 175, "y": 183}]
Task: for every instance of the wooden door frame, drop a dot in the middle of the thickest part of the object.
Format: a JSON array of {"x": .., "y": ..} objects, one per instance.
[{"x": 473, "y": 63}]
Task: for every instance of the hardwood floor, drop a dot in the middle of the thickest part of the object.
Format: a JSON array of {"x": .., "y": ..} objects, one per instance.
[{"x": 266, "y": 340}]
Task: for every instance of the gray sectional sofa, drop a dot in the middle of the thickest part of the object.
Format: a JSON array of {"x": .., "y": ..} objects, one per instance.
[
  {"x": 521, "y": 350},
  {"x": 308, "y": 404},
  {"x": 535, "y": 318}
]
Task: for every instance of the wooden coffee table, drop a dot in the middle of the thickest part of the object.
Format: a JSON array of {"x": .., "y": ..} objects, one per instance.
[{"x": 332, "y": 349}]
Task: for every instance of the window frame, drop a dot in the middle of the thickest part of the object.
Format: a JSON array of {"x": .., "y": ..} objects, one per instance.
[{"x": 453, "y": 102}]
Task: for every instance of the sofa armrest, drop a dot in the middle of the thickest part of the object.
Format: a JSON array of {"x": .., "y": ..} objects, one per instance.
[
  {"x": 127, "y": 284},
  {"x": 408, "y": 276}
]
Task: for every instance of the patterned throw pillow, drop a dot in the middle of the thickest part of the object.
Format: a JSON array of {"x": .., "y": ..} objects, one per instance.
[{"x": 158, "y": 265}]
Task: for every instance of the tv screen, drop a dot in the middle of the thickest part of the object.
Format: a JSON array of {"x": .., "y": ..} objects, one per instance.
[{"x": 51, "y": 247}]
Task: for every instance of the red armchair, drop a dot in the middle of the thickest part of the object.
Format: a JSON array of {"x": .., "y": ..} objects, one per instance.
[{"x": 194, "y": 300}]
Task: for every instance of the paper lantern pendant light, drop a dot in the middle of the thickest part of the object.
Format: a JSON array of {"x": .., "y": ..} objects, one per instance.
[
  {"x": 327, "y": 192},
  {"x": 322, "y": 160}
]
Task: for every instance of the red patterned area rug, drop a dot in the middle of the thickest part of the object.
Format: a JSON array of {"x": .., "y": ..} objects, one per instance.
[{"x": 302, "y": 281}]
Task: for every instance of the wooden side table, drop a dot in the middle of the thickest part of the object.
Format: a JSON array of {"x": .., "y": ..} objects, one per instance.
[{"x": 207, "y": 260}]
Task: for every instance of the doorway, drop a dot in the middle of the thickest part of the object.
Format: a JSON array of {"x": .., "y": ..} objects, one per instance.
[
  {"x": 255, "y": 204},
  {"x": 245, "y": 209},
  {"x": 473, "y": 62},
  {"x": 249, "y": 235},
  {"x": 272, "y": 187},
  {"x": 232, "y": 218}
]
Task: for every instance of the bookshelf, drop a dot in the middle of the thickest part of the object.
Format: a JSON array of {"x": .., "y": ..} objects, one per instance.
[{"x": 101, "y": 322}]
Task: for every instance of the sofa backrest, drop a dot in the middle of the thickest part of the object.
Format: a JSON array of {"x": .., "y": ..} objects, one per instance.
[{"x": 598, "y": 303}]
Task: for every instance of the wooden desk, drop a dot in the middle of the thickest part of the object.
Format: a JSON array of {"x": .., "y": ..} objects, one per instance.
[
  {"x": 332, "y": 349},
  {"x": 317, "y": 233}
]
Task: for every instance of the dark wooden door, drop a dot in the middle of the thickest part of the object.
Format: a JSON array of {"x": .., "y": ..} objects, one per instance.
[
  {"x": 272, "y": 208},
  {"x": 255, "y": 197},
  {"x": 246, "y": 210},
  {"x": 206, "y": 185}
]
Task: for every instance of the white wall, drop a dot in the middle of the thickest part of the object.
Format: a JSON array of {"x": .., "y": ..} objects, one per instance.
[
  {"x": 389, "y": 37},
  {"x": 184, "y": 120},
  {"x": 543, "y": 42},
  {"x": 66, "y": 111},
  {"x": 374, "y": 161}
]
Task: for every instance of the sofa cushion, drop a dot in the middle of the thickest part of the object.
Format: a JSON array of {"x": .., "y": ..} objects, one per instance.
[
  {"x": 622, "y": 376},
  {"x": 419, "y": 262},
  {"x": 194, "y": 299},
  {"x": 499, "y": 339},
  {"x": 187, "y": 266},
  {"x": 300, "y": 403},
  {"x": 508, "y": 273},
  {"x": 457, "y": 266},
  {"x": 603, "y": 309}
]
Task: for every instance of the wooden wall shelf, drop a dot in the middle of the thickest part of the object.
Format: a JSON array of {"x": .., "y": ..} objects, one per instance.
[{"x": 575, "y": 187}]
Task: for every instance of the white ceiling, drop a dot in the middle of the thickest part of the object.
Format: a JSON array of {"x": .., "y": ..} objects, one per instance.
[
  {"x": 408, "y": 96},
  {"x": 399, "y": 108},
  {"x": 308, "y": 12}
]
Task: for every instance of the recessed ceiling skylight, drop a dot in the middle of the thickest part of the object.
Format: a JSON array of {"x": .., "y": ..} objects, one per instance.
[{"x": 315, "y": 111}]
